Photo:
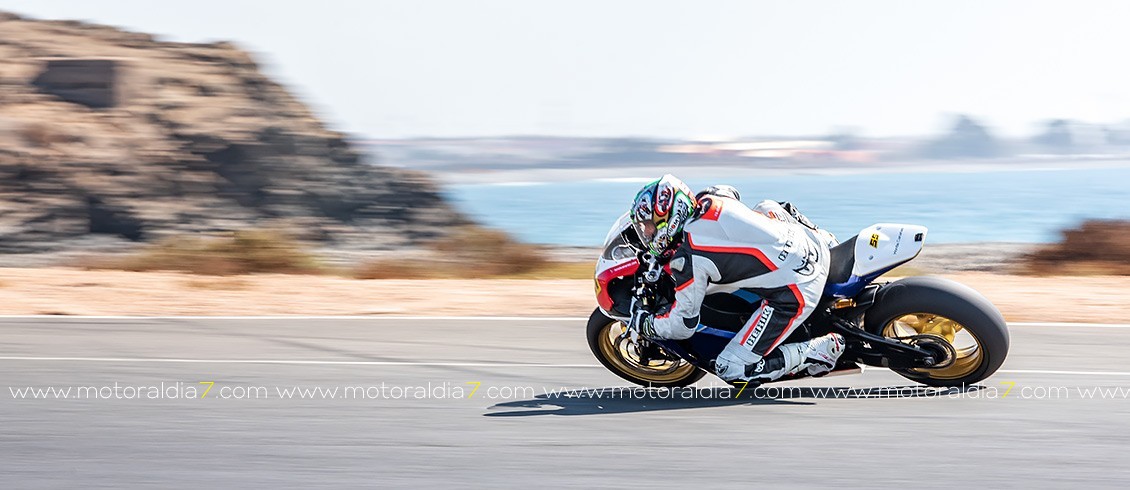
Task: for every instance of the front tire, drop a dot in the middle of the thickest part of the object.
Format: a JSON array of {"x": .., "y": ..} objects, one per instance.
[
  {"x": 618, "y": 355},
  {"x": 947, "y": 311}
]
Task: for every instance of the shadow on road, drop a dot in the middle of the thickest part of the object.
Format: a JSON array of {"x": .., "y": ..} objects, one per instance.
[{"x": 613, "y": 400}]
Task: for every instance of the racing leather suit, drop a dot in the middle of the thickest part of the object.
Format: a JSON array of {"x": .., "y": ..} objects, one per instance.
[{"x": 766, "y": 251}]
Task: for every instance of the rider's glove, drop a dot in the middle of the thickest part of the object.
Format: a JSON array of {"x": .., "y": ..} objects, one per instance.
[
  {"x": 796, "y": 214},
  {"x": 642, "y": 323}
]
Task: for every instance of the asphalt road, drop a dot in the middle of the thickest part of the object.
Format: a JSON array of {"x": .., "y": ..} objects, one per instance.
[{"x": 520, "y": 429}]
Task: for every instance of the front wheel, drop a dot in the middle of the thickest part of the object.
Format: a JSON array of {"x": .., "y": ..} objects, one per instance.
[
  {"x": 942, "y": 311},
  {"x": 620, "y": 355}
]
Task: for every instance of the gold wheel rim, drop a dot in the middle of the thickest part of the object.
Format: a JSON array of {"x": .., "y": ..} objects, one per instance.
[
  {"x": 621, "y": 352},
  {"x": 965, "y": 344}
]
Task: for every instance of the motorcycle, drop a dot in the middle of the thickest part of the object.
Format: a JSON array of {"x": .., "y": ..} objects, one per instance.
[{"x": 928, "y": 329}]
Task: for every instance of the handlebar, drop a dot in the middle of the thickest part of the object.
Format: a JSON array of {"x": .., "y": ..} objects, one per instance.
[{"x": 646, "y": 293}]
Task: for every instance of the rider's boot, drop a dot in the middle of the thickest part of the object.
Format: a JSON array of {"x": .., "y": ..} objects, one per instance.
[
  {"x": 820, "y": 354},
  {"x": 817, "y": 356}
]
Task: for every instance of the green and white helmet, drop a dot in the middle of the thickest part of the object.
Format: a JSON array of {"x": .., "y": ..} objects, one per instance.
[{"x": 661, "y": 210}]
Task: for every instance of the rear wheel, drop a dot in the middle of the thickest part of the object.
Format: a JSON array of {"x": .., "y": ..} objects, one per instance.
[
  {"x": 621, "y": 356},
  {"x": 970, "y": 330}
]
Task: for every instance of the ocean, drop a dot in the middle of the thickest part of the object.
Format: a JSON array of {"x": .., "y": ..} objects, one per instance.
[{"x": 975, "y": 206}]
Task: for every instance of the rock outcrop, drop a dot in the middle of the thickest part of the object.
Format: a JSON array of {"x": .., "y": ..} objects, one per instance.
[{"x": 107, "y": 133}]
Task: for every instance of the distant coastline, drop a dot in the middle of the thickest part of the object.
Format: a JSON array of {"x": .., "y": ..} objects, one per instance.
[
  {"x": 644, "y": 173},
  {"x": 970, "y": 202}
]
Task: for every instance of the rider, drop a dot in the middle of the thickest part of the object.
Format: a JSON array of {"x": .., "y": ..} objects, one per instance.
[{"x": 771, "y": 251}]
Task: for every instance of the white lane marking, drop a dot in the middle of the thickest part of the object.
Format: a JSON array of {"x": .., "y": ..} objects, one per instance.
[
  {"x": 1069, "y": 325},
  {"x": 296, "y": 317},
  {"x": 300, "y": 361},
  {"x": 439, "y": 364},
  {"x": 437, "y": 317},
  {"x": 1070, "y": 373}
]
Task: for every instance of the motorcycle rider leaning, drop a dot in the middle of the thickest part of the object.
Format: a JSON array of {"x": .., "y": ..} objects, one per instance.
[{"x": 772, "y": 251}]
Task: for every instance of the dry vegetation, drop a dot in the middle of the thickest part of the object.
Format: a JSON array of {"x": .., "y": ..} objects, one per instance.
[
  {"x": 1100, "y": 247},
  {"x": 1095, "y": 248},
  {"x": 41, "y": 135},
  {"x": 212, "y": 286},
  {"x": 112, "y": 292},
  {"x": 468, "y": 253},
  {"x": 476, "y": 253},
  {"x": 242, "y": 252},
  {"x": 232, "y": 283}
]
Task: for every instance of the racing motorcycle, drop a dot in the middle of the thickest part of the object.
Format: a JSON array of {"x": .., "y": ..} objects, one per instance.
[{"x": 928, "y": 329}]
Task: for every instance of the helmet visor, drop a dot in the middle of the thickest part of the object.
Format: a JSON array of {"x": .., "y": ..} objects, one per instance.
[{"x": 646, "y": 230}]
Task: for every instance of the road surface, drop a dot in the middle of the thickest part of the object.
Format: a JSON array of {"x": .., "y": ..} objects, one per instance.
[{"x": 411, "y": 420}]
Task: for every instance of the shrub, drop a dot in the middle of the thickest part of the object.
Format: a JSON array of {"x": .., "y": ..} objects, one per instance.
[
  {"x": 243, "y": 252},
  {"x": 467, "y": 253},
  {"x": 470, "y": 252},
  {"x": 1096, "y": 247},
  {"x": 482, "y": 252},
  {"x": 42, "y": 135},
  {"x": 396, "y": 269}
]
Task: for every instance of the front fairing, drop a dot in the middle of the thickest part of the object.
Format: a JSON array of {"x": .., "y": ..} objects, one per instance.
[
  {"x": 622, "y": 225},
  {"x": 616, "y": 268}
]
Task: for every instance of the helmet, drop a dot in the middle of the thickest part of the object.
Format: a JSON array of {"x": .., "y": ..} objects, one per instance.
[
  {"x": 721, "y": 190},
  {"x": 661, "y": 210}
]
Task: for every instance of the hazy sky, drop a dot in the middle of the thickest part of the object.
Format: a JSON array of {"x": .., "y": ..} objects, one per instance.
[{"x": 661, "y": 68}]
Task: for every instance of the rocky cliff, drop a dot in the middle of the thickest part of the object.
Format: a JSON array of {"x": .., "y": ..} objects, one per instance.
[{"x": 114, "y": 135}]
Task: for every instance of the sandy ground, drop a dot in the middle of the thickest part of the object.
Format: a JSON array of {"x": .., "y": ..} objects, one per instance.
[{"x": 56, "y": 291}]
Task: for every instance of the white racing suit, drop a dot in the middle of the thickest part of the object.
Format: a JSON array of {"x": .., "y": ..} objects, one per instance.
[{"x": 765, "y": 251}]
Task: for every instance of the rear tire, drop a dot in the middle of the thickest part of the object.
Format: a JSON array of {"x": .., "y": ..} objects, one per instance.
[
  {"x": 612, "y": 356},
  {"x": 924, "y": 296}
]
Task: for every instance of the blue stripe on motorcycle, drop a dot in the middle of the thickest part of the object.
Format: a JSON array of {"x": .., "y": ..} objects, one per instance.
[
  {"x": 855, "y": 284},
  {"x": 726, "y": 334},
  {"x": 747, "y": 296}
]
